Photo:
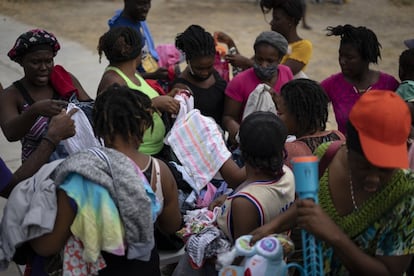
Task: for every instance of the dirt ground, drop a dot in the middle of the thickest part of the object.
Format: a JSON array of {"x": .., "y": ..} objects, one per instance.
[{"x": 84, "y": 21}]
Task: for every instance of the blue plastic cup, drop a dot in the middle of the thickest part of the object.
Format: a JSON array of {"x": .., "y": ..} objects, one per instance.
[{"x": 305, "y": 169}]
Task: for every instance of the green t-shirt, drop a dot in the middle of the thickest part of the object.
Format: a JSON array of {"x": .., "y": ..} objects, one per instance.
[{"x": 153, "y": 140}]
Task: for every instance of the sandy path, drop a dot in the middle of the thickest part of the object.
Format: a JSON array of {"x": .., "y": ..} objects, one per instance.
[{"x": 85, "y": 21}]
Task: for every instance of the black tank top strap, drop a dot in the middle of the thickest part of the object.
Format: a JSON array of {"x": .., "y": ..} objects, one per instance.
[
  {"x": 26, "y": 96},
  {"x": 23, "y": 91}
]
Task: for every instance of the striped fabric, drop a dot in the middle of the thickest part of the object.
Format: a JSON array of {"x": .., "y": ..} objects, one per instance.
[{"x": 198, "y": 144}]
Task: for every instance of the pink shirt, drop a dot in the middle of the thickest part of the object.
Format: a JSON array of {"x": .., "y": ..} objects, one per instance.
[
  {"x": 343, "y": 95},
  {"x": 242, "y": 85}
]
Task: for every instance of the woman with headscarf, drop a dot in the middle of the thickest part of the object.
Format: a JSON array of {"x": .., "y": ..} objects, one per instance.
[
  {"x": 269, "y": 49},
  {"x": 27, "y": 105}
]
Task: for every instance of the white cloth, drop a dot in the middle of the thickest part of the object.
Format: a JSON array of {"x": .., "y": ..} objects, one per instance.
[
  {"x": 199, "y": 146},
  {"x": 84, "y": 137},
  {"x": 300, "y": 75},
  {"x": 186, "y": 103},
  {"x": 259, "y": 100}
]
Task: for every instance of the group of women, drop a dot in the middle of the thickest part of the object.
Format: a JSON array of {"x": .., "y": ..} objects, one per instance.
[{"x": 365, "y": 194}]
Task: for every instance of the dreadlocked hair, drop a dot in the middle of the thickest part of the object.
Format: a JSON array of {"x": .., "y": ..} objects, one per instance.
[
  {"x": 307, "y": 102},
  {"x": 119, "y": 44},
  {"x": 362, "y": 38},
  {"x": 121, "y": 110},
  {"x": 262, "y": 139},
  {"x": 406, "y": 62},
  {"x": 293, "y": 8},
  {"x": 195, "y": 42}
]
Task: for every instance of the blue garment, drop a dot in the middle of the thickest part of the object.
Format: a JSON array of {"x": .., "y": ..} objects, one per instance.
[
  {"x": 5, "y": 175},
  {"x": 141, "y": 27}
]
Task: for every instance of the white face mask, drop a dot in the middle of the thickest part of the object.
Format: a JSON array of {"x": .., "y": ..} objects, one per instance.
[{"x": 194, "y": 76}]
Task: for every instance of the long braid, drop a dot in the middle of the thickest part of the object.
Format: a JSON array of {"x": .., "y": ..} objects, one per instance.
[
  {"x": 308, "y": 103},
  {"x": 122, "y": 111},
  {"x": 120, "y": 44},
  {"x": 362, "y": 38},
  {"x": 195, "y": 42}
]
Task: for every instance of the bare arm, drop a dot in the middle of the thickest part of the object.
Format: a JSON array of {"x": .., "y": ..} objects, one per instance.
[
  {"x": 233, "y": 174},
  {"x": 281, "y": 223},
  {"x": 160, "y": 74},
  {"x": 231, "y": 117},
  {"x": 54, "y": 242},
  {"x": 294, "y": 65},
  {"x": 245, "y": 217},
  {"x": 109, "y": 78},
  {"x": 60, "y": 127},
  {"x": 170, "y": 219},
  {"x": 83, "y": 96},
  {"x": 16, "y": 125}
]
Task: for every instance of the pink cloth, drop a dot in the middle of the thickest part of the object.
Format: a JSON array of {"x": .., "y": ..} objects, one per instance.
[
  {"x": 343, "y": 96},
  {"x": 168, "y": 55},
  {"x": 242, "y": 85},
  {"x": 73, "y": 262}
]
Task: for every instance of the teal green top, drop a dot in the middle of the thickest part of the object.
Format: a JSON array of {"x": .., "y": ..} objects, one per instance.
[{"x": 153, "y": 141}]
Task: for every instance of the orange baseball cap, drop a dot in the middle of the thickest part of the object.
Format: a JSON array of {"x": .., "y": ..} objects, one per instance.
[{"x": 383, "y": 122}]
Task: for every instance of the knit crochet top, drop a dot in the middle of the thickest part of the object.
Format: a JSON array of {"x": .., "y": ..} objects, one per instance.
[{"x": 373, "y": 208}]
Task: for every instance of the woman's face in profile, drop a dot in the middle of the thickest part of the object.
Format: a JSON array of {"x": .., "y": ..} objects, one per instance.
[{"x": 280, "y": 22}]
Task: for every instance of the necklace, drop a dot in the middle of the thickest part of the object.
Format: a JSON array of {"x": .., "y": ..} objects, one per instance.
[
  {"x": 352, "y": 192},
  {"x": 361, "y": 91}
]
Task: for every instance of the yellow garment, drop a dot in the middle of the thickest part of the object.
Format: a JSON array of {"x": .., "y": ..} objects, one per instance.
[
  {"x": 153, "y": 140},
  {"x": 300, "y": 51}
]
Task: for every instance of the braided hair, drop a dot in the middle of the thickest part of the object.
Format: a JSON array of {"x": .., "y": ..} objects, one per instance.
[
  {"x": 293, "y": 8},
  {"x": 262, "y": 139},
  {"x": 362, "y": 38},
  {"x": 307, "y": 102},
  {"x": 120, "y": 110},
  {"x": 195, "y": 42},
  {"x": 120, "y": 44}
]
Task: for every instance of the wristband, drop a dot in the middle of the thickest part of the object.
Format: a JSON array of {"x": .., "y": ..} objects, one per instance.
[{"x": 47, "y": 138}]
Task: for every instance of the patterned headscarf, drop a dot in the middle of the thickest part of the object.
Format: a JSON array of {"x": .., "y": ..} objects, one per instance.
[{"x": 26, "y": 41}]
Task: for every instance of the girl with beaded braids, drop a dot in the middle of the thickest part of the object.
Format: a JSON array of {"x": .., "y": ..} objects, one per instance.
[
  {"x": 358, "y": 48},
  {"x": 200, "y": 76},
  {"x": 303, "y": 107},
  {"x": 267, "y": 191},
  {"x": 122, "y": 47},
  {"x": 132, "y": 180}
]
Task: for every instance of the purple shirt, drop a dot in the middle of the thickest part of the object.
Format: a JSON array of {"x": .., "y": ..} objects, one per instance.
[
  {"x": 242, "y": 85},
  {"x": 5, "y": 175},
  {"x": 343, "y": 94}
]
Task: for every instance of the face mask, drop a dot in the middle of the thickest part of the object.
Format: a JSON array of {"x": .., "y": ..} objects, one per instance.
[
  {"x": 197, "y": 77},
  {"x": 265, "y": 73}
]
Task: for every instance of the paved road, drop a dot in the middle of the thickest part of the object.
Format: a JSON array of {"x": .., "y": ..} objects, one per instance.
[{"x": 80, "y": 61}]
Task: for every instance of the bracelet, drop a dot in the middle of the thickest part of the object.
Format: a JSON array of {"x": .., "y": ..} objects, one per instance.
[{"x": 47, "y": 138}]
